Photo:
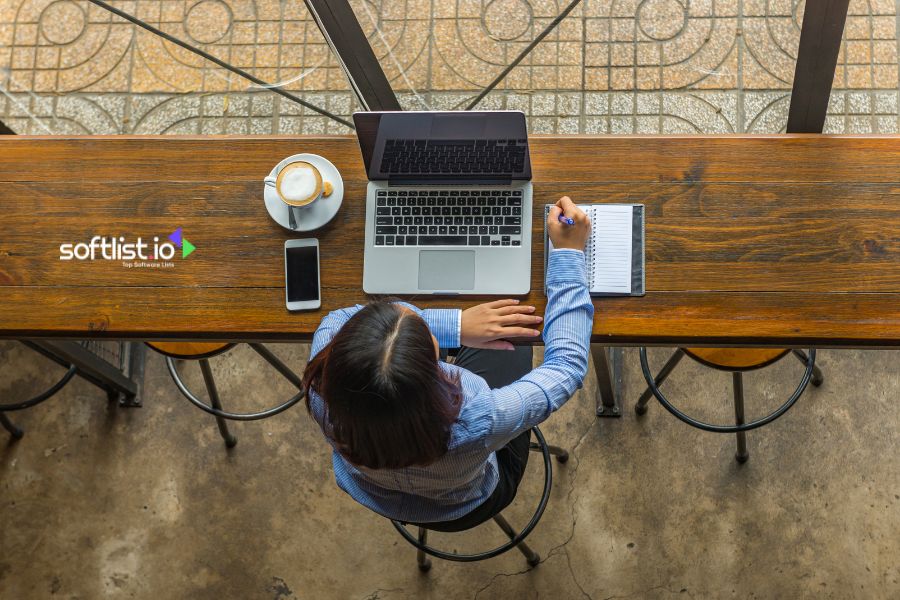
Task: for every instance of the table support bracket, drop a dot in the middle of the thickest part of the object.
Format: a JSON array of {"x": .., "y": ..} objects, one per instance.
[{"x": 120, "y": 387}]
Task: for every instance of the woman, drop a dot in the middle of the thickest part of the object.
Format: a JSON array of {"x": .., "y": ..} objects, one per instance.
[{"x": 421, "y": 441}]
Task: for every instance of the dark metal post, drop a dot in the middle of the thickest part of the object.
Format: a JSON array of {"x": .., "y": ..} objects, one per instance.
[
  {"x": 817, "y": 378},
  {"x": 820, "y": 42},
  {"x": 421, "y": 558},
  {"x": 738, "y": 380},
  {"x": 338, "y": 24},
  {"x": 137, "y": 356},
  {"x": 230, "y": 440},
  {"x": 607, "y": 365}
]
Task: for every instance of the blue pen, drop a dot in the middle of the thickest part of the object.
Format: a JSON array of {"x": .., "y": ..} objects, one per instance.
[{"x": 566, "y": 220}]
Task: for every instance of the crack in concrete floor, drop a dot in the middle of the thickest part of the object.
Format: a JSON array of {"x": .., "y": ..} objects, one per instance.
[{"x": 573, "y": 475}]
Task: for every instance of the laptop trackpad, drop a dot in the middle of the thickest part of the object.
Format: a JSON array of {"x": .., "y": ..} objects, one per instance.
[{"x": 446, "y": 270}]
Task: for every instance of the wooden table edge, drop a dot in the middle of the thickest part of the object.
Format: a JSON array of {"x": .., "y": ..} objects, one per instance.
[
  {"x": 539, "y": 136},
  {"x": 610, "y": 341}
]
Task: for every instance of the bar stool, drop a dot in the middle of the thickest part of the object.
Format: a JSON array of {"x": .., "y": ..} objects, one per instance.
[
  {"x": 202, "y": 352},
  {"x": 737, "y": 361},
  {"x": 516, "y": 540}
]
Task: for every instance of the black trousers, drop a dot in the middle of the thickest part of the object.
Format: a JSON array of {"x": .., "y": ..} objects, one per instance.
[{"x": 498, "y": 368}]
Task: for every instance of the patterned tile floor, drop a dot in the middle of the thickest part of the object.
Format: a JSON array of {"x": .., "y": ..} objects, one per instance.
[{"x": 611, "y": 66}]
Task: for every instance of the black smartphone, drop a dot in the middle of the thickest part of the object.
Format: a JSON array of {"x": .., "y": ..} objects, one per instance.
[{"x": 301, "y": 274}]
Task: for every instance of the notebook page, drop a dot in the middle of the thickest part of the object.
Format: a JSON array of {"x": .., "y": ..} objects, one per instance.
[{"x": 610, "y": 248}]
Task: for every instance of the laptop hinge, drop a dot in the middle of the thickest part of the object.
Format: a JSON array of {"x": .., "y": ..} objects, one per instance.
[{"x": 460, "y": 182}]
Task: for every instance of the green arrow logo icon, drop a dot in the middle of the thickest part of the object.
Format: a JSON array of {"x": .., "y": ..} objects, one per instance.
[{"x": 177, "y": 238}]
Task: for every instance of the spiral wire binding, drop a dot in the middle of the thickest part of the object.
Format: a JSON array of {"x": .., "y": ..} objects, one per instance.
[{"x": 589, "y": 256}]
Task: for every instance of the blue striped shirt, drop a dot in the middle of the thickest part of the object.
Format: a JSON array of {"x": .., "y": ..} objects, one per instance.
[{"x": 466, "y": 475}]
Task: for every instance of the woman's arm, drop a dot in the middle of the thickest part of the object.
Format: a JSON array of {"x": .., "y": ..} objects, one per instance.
[
  {"x": 444, "y": 324},
  {"x": 567, "y": 336}
]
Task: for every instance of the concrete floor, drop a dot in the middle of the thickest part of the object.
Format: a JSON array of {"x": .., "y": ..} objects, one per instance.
[{"x": 98, "y": 501}]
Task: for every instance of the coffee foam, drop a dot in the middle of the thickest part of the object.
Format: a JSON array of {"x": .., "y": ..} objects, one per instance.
[{"x": 299, "y": 183}]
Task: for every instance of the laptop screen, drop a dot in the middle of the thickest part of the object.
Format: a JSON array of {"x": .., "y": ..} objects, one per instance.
[{"x": 437, "y": 147}]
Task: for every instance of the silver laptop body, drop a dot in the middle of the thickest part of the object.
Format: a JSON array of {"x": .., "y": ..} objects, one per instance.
[{"x": 448, "y": 205}]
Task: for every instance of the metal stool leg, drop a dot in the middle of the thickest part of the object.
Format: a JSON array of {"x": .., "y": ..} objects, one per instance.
[
  {"x": 14, "y": 431},
  {"x": 742, "y": 455},
  {"x": 817, "y": 378},
  {"x": 421, "y": 558},
  {"x": 230, "y": 440},
  {"x": 561, "y": 454},
  {"x": 279, "y": 366},
  {"x": 641, "y": 407},
  {"x": 532, "y": 557}
]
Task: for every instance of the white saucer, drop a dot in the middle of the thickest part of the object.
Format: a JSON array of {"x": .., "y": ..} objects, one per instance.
[{"x": 315, "y": 215}]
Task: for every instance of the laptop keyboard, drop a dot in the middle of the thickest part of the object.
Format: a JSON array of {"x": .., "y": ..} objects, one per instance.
[
  {"x": 454, "y": 156},
  {"x": 448, "y": 218}
]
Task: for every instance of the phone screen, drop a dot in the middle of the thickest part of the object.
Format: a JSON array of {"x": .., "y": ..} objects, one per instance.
[{"x": 302, "y": 273}]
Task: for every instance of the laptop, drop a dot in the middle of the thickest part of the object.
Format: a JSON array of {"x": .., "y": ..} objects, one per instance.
[{"x": 448, "y": 205}]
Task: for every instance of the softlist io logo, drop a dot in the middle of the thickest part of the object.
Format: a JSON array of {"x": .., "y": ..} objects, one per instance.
[
  {"x": 179, "y": 240},
  {"x": 117, "y": 248}
]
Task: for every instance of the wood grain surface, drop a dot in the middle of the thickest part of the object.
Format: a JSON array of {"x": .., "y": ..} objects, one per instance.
[{"x": 772, "y": 240}]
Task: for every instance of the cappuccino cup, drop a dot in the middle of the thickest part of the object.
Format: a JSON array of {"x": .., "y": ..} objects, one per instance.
[{"x": 299, "y": 183}]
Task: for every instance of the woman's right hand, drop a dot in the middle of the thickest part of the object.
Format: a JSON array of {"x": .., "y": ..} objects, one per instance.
[
  {"x": 568, "y": 236},
  {"x": 487, "y": 325}
]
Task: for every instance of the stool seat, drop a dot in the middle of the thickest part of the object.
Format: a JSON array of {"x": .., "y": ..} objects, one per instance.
[
  {"x": 736, "y": 359},
  {"x": 190, "y": 350}
]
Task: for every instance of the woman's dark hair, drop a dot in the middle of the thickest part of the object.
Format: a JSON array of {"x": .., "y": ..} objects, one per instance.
[{"x": 388, "y": 404}]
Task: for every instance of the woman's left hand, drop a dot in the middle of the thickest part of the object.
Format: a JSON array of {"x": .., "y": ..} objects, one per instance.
[{"x": 487, "y": 325}]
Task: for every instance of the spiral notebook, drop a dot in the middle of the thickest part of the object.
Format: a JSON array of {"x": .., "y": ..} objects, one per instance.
[{"x": 614, "y": 250}]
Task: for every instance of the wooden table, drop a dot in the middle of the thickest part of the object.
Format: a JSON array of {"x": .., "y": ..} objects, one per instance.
[{"x": 788, "y": 240}]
